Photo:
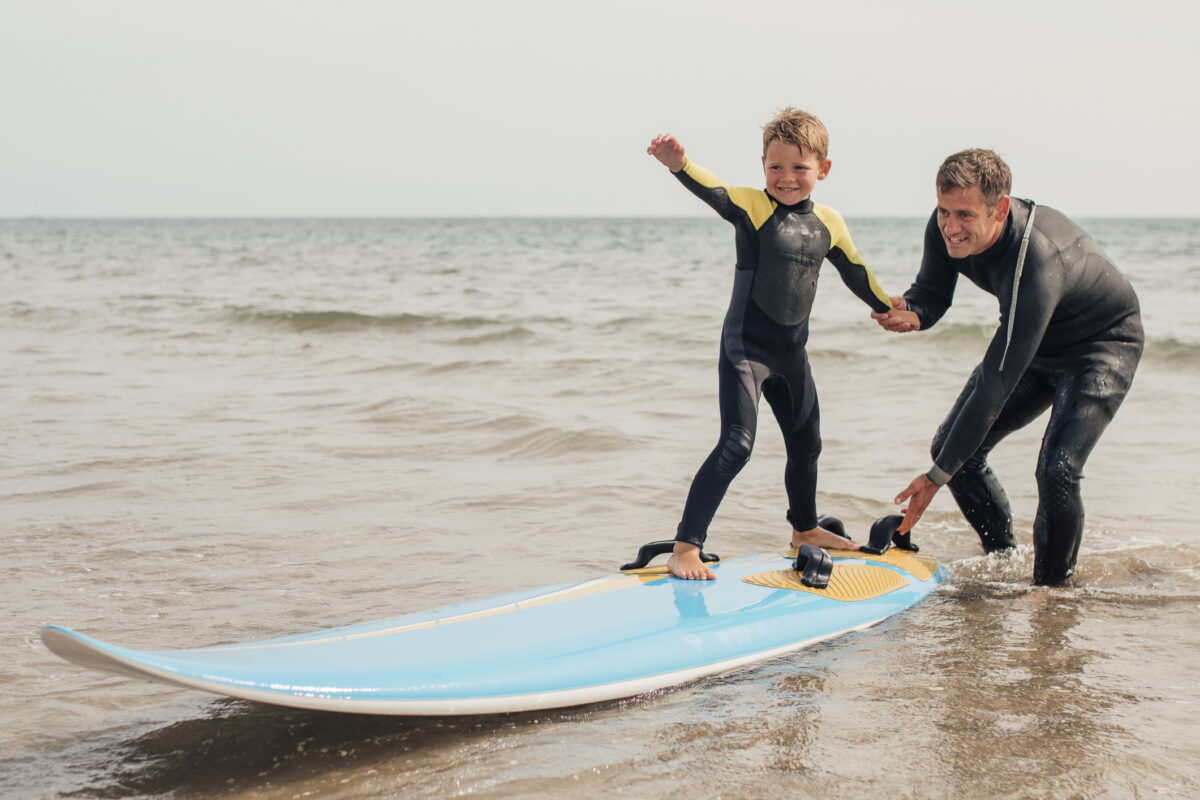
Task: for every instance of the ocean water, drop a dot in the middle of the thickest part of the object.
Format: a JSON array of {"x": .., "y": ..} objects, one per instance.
[{"x": 222, "y": 430}]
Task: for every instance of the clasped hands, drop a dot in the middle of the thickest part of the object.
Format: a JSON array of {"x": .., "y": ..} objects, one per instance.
[{"x": 898, "y": 319}]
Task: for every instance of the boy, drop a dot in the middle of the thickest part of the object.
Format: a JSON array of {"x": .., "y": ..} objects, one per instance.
[{"x": 782, "y": 238}]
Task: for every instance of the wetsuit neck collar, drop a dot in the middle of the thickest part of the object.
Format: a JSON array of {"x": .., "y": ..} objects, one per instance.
[
  {"x": 803, "y": 207},
  {"x": 1014, "y": 227}
]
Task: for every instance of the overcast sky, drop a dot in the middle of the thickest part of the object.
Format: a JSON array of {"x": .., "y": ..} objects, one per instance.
[{"x": 467, "y": 108}]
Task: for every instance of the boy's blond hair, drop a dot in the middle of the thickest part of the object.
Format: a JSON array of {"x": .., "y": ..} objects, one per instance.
[
  {"x": 976, "y": 167},
  {"x": 791, "y": 125}
]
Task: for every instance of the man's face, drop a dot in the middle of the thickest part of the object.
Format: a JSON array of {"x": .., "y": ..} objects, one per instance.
[
  {"x": 791, "y": 174},
  {"x": 967, "y": 227}
]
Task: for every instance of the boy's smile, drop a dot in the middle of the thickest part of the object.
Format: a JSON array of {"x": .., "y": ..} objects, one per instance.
[{"x": 791, "y": 174}]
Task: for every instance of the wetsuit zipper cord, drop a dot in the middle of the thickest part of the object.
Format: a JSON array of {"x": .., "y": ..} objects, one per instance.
[{"x": 1012, "y": 309}]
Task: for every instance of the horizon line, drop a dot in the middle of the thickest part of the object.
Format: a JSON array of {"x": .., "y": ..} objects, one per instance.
[{"x": 297, "y": 217}]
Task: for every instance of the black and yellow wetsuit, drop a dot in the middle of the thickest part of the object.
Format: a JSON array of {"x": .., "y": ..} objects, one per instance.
[
  {"x": 1070, "y": 342},
  {"x": 779, "y": 254}
]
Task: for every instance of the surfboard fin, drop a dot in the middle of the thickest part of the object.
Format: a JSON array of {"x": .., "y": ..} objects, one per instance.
[
  {"x": 814, "y": 565},
  {"x": 648, "y": 551}
]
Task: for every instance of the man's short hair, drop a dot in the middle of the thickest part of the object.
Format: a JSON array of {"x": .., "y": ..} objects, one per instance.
[
  {"x": 976, "y": 167},
  {"x": 791, "y": 125}
]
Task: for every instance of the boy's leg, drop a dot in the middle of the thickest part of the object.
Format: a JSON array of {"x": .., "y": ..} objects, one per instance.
[
  {"x": 793, "y": 400},
  {"x": 739, "y": 420}
]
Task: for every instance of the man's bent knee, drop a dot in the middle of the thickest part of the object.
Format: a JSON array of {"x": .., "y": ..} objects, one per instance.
[{"x": 1058, "y": 485}]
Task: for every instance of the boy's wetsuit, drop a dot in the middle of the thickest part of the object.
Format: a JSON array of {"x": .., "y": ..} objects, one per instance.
[
  {"x": 1076, "y": 341},
  {"x": 779, "y": 253}
]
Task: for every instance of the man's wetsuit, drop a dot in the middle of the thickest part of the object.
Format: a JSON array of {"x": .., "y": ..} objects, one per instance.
[
  {"x": 1076, "y": 341},
  {"x": 779, "y": 253}
]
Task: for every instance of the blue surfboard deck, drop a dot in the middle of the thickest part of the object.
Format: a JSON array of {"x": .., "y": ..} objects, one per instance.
[{"x": 604, "y": 639}]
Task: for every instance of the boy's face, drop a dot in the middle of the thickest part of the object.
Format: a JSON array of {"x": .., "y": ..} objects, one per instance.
[
  {"x": 792, "y": 174},
  {"x": 968, "y": 227}
]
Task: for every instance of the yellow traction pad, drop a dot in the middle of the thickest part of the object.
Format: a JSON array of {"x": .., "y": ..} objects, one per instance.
[
  {"x": 921, "y": 567},
  {"x": 849, "y": 582}
]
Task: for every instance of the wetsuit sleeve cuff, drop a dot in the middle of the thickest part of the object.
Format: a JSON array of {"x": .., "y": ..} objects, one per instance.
[
  {"x": 938, "y": 475},
  {"x": 917, "y": 309}
]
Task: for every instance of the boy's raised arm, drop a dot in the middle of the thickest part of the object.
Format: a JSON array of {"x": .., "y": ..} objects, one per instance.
[{"x": 667, "y": 149}]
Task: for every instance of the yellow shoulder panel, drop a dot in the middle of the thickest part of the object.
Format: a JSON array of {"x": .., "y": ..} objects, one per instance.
[
  {"x": 839, "y": 236},
  {"x": 757, "y": 204}
]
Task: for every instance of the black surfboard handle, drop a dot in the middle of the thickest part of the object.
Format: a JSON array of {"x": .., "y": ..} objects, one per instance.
[{"x": 648, "y": 551}]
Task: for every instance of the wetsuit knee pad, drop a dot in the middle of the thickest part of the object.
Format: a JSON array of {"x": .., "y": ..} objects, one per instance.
[
  {"x": 735, "y": 450},
  {"x": 1058, "y": 483}
]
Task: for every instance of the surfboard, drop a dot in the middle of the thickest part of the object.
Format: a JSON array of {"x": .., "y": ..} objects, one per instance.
[{"x": 612, "y": 637}]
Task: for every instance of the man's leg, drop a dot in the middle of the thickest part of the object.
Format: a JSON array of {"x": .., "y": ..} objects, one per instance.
[
  {"x": 975, "y": 487},
  {"x": 1085, "y": 402}
]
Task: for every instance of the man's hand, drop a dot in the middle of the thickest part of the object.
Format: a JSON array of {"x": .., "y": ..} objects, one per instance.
[
  {"x": 899, "y": 319},
  {"x": 919, "y": 495},
  {"x": 667, "y": 149}
]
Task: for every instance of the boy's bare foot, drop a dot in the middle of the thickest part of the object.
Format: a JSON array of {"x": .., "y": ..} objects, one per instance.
[
  {"x": 822, "y": 538},
  {"x": 685, "y": 563}
]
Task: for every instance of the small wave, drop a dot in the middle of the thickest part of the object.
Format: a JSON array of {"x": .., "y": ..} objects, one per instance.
[
  {"x": 335, "y": 320},
  {"x": 513, "y": 333},
  {"x": 304, "y": 321},
  {"x": 1141, "y": 571},
  {"x": 1173, "y": 351},
  {"x": 842, "y": 355},
  {"x": 627, "y": 323},
  {"x": 554, "y": 442},
  {"x": 16, "y": 309},
  {"x": 1169, "y": 350},
  {"x": 62, "y": 493},
  {"x": 964, "y": 331},
  {"x": 1004, "y": 572},
  {"x": 53, "y": 317},
  {"x": 465, "y": 366},
  {"x": 1126, "y": 574},
  {"x": 508, "y": 422}
]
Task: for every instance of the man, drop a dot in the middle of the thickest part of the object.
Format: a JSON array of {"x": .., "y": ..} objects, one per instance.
[{"x": 1070, "y": 338}]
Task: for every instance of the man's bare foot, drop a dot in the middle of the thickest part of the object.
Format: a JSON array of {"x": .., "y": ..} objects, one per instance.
[
  {"x": 822, "y": 538},
  {"x": 685, "y": 563}
]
